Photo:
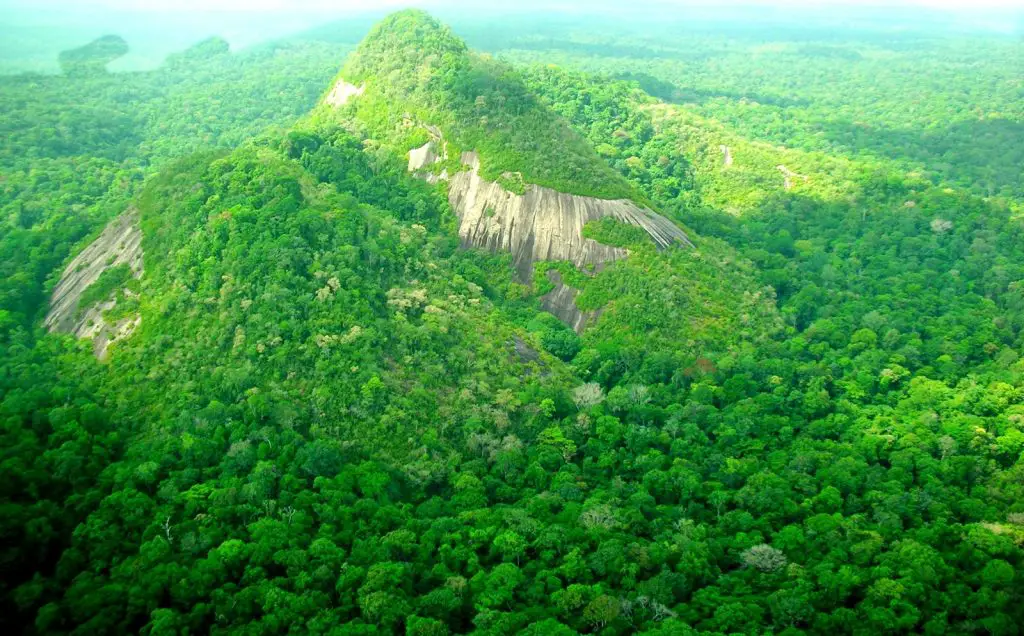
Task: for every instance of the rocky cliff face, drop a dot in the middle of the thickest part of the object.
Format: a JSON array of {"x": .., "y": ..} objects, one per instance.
[
  {"x": 421, "y": 159},
  {"x": 539, "y": 225},
  {"x": 543, "y": 224},
  {"x": 561, "y": 303},
  {"x": 120, "y": 243}
]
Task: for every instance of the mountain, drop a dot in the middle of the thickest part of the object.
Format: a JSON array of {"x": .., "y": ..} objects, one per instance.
[
  {"x": 563, "y": 244},
  {"x": 419, "y": 73},
  {"x": 519, "y": 178},
  {"x": 201, "y": 51}
]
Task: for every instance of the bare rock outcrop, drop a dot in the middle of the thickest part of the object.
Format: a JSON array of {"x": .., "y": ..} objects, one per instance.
[
  {"x": 525, "y": 352},
  {"x": 421, "y": 159},
  {"x": 102, "y": 333},
  {"x": 726, "y": 155},
  {"x": 342, "y": 92},
  {"x": 561, "y": 303},
  {"x": 119, "y": 243},
  {"x": 541, "y": 224},
  {"x": 788, "y": 176}
]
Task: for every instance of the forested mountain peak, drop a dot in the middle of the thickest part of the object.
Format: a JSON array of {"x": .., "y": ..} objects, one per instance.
[
  {"x": 414, "y": 32},
  {"x": 419, "y": 74},
  {"x": 315, "y": 409}
]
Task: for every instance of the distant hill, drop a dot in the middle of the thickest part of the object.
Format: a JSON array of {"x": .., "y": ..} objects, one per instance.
[
  {"x": 93, "y": 57},
  {"x": 208, "y": 48}
]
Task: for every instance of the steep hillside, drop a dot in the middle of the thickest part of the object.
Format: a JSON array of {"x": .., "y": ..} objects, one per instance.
[
  {"x": 343, "y": 299},
  {"x": 91, "y": 296}
]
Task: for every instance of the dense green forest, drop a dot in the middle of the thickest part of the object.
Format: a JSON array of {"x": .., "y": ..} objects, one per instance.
[{"x": 334, "y": 419}]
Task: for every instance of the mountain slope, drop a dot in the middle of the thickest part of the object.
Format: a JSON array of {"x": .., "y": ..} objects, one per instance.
[{"x": 94, "y": 286}]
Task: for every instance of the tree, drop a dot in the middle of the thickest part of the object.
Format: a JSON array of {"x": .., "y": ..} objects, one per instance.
[
  {"x": 497, "y": 588},
  {"x": 601, "y": 611},
  {"x": 764, "y": 558},
  {"x": 510, "y": 545},
  {"x": 587, "y": 395}
]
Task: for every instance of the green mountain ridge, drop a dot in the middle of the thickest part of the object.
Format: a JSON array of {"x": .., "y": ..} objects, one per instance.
[{"x": 413, "y": 87}]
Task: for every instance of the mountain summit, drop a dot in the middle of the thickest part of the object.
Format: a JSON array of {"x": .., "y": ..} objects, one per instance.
[{"x": 421, "y": 74}]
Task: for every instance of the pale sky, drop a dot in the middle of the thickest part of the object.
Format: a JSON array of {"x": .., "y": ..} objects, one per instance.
[
  {"x": 154, "y": 28},
  {"x": 342, "y": 6},
  {"x": 334, "y": 5}
]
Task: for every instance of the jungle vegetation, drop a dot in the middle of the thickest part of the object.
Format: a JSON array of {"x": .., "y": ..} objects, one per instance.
[{"x": 334, "y": 420}]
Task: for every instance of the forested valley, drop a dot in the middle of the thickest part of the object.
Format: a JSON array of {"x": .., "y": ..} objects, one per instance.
[{"x": 334, "y": 409}]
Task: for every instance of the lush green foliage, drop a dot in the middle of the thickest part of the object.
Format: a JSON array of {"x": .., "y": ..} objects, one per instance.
[
  {"x": 334, "y": 420},
  {"x": 74, "y": 150},
  {"x": 615, "y": 233},
  {"x": 109, "y": 283}
]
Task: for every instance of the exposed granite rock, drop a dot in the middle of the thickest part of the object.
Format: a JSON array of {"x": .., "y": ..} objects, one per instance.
[
  {"x": 119, "y": 243},
  {"x": 726, "y": 155},
  {"x": 342, "y": 92},
  {"x": 788, "y": 176},
  {"x": 422, "y": 158},
  {"x": 539, "y": 225},
  {"x": 543, "y": 224},
  {"x": 103, "y": 334},
  {"x": 525, "y": 352},
  {"x": 561, "y": 303}
]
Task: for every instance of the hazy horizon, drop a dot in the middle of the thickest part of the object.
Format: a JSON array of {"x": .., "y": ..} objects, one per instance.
[{"x": 35, "y": 32}]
